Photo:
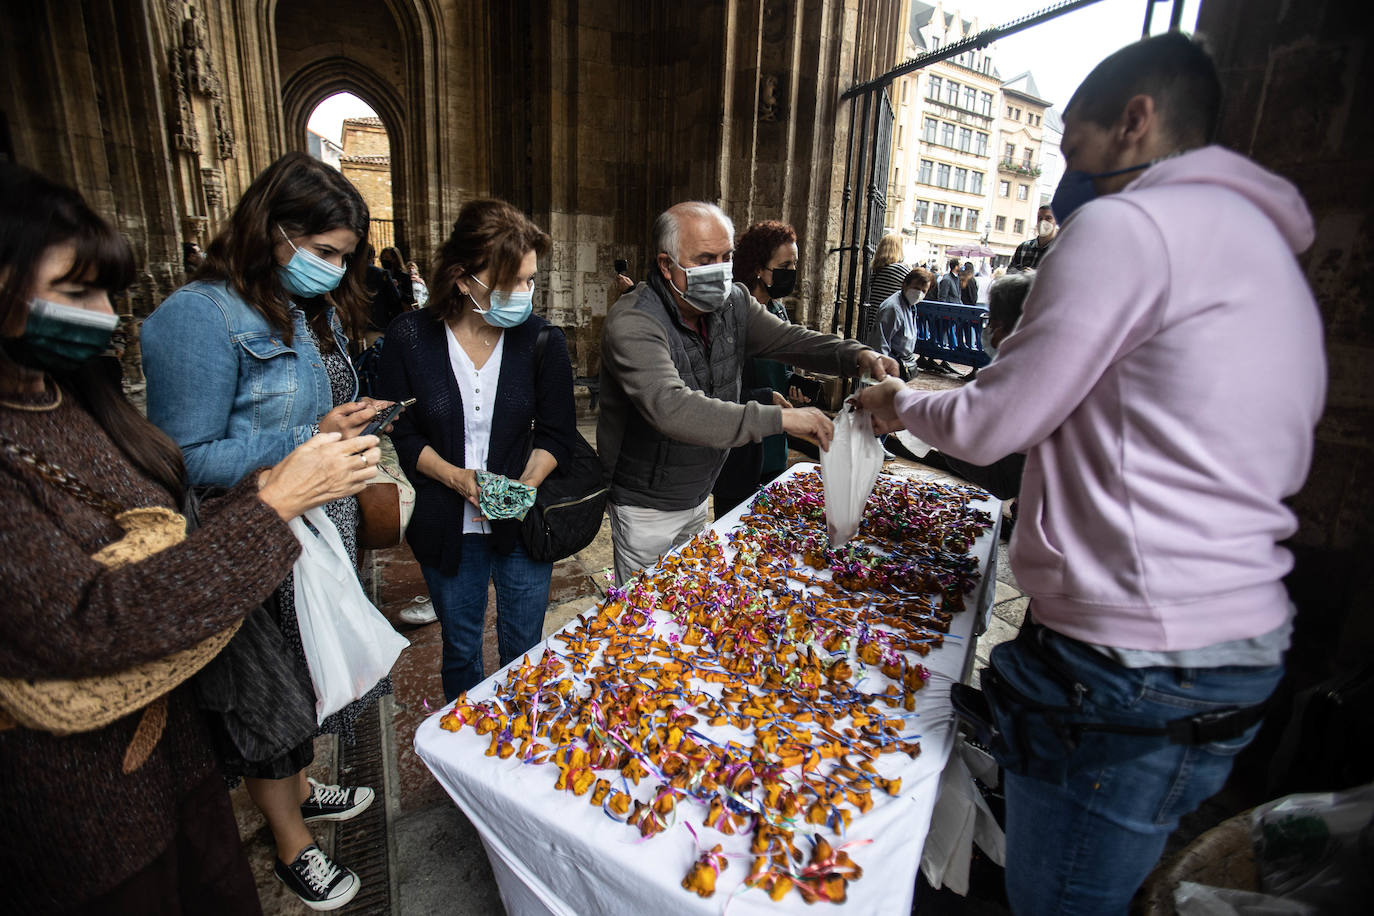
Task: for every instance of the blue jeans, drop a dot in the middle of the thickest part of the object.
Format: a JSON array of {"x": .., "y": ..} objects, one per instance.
[
  {"x": 1086, "y": 825},
  {"x": 460, "y": 601}
]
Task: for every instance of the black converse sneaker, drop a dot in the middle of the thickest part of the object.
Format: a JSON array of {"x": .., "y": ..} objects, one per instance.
[
  {"x": 319, "y": 883},
  {"x": 335, "y": 803}
]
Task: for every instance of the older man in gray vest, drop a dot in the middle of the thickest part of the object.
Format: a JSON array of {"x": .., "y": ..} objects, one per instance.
[{"x": 671, "y": 355}]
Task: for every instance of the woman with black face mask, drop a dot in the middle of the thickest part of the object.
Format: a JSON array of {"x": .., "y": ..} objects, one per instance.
[
  {"x": 112, "y": 802},
  {"x": 766, "y": 262}
]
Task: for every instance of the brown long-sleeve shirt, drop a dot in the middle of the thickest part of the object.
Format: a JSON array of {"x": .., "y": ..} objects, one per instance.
[{"x": 75, "y": 826}]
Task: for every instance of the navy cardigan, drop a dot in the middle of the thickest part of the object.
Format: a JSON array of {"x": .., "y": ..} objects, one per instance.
[{"x": 415, "y": 364}]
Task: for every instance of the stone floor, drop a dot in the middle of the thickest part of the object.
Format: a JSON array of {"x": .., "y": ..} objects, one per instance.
[{"x": 437, "y": 862}]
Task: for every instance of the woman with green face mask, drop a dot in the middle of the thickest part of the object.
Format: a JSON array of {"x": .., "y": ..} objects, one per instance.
[
  {"x": 243, "y": 363},
  {"x": 101, "y": 580}
]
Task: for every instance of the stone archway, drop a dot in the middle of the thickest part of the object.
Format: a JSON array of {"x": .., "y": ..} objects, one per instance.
[{"x": 391, "y": 54}]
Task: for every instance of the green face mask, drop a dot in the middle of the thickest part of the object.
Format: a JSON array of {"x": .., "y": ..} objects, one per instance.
[{"x": 59, "y": 337}]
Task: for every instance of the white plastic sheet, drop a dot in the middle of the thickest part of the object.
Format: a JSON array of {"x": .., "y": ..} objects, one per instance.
[
  {"x": 849, "y": 469},
  {"x": 349, "y": 646}
]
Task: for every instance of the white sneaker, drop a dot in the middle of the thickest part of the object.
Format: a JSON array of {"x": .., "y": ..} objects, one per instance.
[{"x": 419, "y": 613}]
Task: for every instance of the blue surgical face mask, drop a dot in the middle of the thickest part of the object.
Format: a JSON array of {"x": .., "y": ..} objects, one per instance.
[
  {"x": 307, "y": 274},
  {"x": 505, "y": 309},
  {"x": 1076, "y": 189},
  {"x": 708, "y": 285},
  {"x": 59, "y": 338}
]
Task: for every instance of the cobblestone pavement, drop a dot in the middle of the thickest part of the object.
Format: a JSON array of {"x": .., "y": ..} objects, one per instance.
[{"x": 437, "y": 863}]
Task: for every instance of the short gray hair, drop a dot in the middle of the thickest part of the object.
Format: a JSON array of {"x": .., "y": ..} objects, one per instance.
[
  {"x": 667, "y": 231},
  {"x": 1005, "y": 297}
]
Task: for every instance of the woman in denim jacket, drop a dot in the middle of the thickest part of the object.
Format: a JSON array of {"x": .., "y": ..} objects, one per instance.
[{"x": 244, "y": 363}]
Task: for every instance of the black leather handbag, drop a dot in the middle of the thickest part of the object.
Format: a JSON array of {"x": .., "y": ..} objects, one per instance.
[{"x": 571, "y": 502}]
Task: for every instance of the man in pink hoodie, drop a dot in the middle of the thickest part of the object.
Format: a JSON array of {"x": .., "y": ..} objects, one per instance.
[{"x": 1160, "y": 444}]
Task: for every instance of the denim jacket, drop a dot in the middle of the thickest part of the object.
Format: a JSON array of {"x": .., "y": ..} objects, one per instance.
[{"x": 226, "y": 388}]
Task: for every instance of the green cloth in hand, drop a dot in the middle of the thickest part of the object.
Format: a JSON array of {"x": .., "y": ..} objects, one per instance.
[{"x": 500, "y": 497}]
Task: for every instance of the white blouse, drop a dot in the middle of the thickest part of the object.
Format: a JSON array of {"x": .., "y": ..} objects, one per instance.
[{"x": 478, "y": 389}]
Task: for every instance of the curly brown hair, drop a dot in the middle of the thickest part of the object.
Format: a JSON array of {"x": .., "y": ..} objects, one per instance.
[
  {"x": 754, "y": 249},
  {"x": 487, "y": 233}
]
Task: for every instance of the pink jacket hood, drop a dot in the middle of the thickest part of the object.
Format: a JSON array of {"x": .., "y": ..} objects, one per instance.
[
  {"x": 1144, "y": 385},
  {"x": 1215, "y": 166}
]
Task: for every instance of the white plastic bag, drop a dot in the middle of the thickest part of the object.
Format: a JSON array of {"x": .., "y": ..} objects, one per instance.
[
  {"x": 848, "y": 470},
  {"x": 348, "y": 644}
]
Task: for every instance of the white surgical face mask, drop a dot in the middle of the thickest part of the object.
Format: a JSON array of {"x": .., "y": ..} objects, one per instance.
[
  {"x": 708, "y": 285},
  {"x": 1044, "y": 227}
]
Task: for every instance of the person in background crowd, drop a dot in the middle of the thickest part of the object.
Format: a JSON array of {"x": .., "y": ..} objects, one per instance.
[
  {"x": 417, "y": 284},
  {"x": 948, "y": 289},
  {"x": 386, "y": 302},
  {"x": 468, "y": 359},
  {"x": 394, "y": 265},
  {"x": 968, "y": 286},
  {"x": 1150, "y": 547},
  {"x": 889, "y": 269},
  {"x": 191, "y": 257},
  {"x": 672, "y": 353},
  {"x": 66, "y": 430},
  {"x": 1029, "y": 252},
  {"x": 984, "y": 280},
  {"x": 245, "y": 363},
  {"x": 897, "y": 322},
  {"x": 766, "y": 262}
]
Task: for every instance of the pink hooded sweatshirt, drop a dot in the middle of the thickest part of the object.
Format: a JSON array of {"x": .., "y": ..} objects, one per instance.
[{"x": 1164, "y": 381}]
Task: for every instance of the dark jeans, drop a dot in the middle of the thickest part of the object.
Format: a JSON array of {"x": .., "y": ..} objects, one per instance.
[
  {"x": 460, "y": 601},
  {"x": 1082, "y": 839}
]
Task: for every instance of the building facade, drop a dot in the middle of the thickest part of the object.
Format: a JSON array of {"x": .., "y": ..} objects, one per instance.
[{"x": 1015, "y": 192}]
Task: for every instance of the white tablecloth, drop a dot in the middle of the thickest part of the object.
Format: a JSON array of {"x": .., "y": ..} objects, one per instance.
[{"x": 553, "y": 852}]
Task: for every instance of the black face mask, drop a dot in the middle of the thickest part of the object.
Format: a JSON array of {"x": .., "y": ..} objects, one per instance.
[{"x": 784, "y": 282}]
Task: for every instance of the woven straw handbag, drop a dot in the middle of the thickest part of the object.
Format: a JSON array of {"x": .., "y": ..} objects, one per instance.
[{"x": 65, "y": 706}]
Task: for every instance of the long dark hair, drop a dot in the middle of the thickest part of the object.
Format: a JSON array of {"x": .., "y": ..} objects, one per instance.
[
  {"x": 487, "y": 233},
  {"x": 304, "y": 197},
  {"x": 37, "y": 215}
]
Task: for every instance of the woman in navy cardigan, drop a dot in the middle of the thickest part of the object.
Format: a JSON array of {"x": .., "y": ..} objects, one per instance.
[{"x": 468, "y": 360}]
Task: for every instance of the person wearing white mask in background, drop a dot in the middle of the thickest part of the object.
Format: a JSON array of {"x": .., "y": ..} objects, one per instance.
[
  {"x": 1029, "y": 252},
  {"x": 469, "y": 360},
  {"x": 897, "y": 321},
  {"x": 672, "y": 352}
]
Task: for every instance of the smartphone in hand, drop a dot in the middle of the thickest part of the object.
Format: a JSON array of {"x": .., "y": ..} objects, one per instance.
[
  {"x": 383, "y": 419},
  {"x": 622, "y": 266}
]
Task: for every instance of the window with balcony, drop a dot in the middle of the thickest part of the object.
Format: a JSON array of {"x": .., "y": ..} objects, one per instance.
[
  {"x": 965, "y": 139},
  {"x": 956, "y": 217},
  {"x": 975, "y": 182},
  {"x": 928, "y": 130},
  {"x": 980, "y": 144},
  {"x": 1004, "y": 189},
  {"x": 947, "y": 134},
  {"x": 1027, "y": 156},
  {"x": 1023, "y": 192},
  {"x": 1009, "y": 152},
  {"x": 1000, "y": 223},
  {"x": 971, "y": 221},
  {"x": 921, "y": 212},
  {"x": 935, "y": 84},
  {"x": 1019, "y": 227},
  {"x": 960, "y": 179},
  {"x": 985, "y": 104},
  {"x": 923, "y": 176},
  {"x": 937, "y": 215},
  {"x": 970, "y": 97},
  {"x": 951, "y": 93},
  {"x": 942, "y": 175}
]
